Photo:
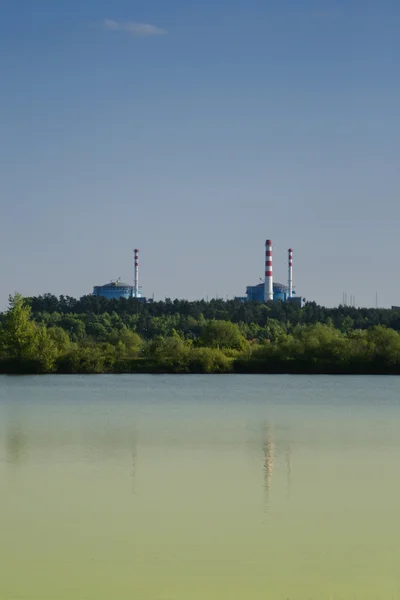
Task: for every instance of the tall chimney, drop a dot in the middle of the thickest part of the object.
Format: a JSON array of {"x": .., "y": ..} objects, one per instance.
[
  {"x": 290, "y": 282},
  {"x": 268, "y": 283},
  {"x": 136, "y": 275}
]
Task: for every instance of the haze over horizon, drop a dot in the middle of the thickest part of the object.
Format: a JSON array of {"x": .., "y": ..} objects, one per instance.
[{"x": 194, "y": 131}]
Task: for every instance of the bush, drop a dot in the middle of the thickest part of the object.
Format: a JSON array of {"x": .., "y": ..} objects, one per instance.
[{"x": 209, "y": 360}]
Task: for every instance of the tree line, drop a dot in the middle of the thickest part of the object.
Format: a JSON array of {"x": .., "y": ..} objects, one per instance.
[
  {"x": 235, "y": 311},
  {"x": 95, "y": 335}
]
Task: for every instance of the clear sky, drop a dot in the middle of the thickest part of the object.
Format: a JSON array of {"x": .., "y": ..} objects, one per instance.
[{"x": 194, "y": 131}]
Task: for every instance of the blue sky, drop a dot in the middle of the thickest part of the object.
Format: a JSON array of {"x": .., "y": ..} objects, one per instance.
[{"x": 194, "y": 131}]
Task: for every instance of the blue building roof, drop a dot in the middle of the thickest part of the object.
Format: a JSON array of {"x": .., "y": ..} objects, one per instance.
[{"x": 114, "y": 284}]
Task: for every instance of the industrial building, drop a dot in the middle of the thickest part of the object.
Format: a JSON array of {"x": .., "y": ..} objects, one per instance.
[
  {"x": 114, "y": 290},
  {"x": 255, "y": 293},
  {"x": 117, "y": 289},
  {"x": 270, "y": 290}
]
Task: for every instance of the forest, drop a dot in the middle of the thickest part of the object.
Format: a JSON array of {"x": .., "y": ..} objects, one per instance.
[{"x": 47, "y": 334}]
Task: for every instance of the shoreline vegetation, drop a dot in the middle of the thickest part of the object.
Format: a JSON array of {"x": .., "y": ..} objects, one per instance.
[{"x": 92, "y": 335}]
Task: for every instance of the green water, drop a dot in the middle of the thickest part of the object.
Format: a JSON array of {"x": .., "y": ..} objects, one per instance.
[{"x": 199, "y": 488}]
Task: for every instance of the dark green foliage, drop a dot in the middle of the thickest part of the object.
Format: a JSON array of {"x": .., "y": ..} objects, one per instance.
[
  {"x": 185, "y": 316},
  {"x": 95, "y": 335},
  {"x": 222, "y": 335},
  {"x": 209, "y": 360}
]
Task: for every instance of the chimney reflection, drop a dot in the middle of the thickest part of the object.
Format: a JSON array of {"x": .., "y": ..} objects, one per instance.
[
  {"x": 269, "y": 452},
  {"x": 133, "y": 471},
  {"x": 288, "y": 460},
  {"x": 271, "y": 447}
]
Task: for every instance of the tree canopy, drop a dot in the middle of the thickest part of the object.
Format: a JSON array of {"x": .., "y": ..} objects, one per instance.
[{"x": 94, "y": 335}]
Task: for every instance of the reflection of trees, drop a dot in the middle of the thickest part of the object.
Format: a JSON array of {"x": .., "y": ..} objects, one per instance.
[
  {"x": 104, "y": 443},
  {"x": 16, "y": 445},
  {"x": 20, "y": 443}
]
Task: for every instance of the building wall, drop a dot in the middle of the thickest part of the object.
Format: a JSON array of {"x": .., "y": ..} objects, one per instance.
[
  {"x": 255, "y": 293},
  {"x": 296, "y": 300},
  {"x": 113, "y": 292},
  {"x": 282, "y": 296}
]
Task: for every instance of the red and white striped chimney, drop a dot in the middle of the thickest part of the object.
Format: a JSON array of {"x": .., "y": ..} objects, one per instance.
[
  {"x": 290, "y": 281},
  {"x": 268, "y": 282},
  {"x": 136, "y": 275}
]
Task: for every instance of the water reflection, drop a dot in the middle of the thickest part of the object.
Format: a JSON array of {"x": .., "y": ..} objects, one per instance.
[
  {"x": 274, "y": 448},
  {"x": 133, "y": 471},
  {"x": 269, "y": 453},
  {"x": 16, "y": 444},
  {"x": 109, "y": 442},
  {"x": 24, "y": 438},
  {"x": 288, "y": 462},
  {"x": 54, "y": 439},
  {"x": 196, "y": 526}
]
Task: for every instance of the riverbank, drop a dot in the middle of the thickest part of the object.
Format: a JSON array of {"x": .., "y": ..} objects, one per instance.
[{"x": 230, "y": 366}]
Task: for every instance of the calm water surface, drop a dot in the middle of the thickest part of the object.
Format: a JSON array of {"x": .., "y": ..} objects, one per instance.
[{"x": 199, "y": 488}]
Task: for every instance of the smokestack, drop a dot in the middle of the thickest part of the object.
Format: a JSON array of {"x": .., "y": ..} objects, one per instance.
[
  {"x": 268, "y": 283},
  {"x": 290, "y": 282},
  {"x": 136, "y": 275}
]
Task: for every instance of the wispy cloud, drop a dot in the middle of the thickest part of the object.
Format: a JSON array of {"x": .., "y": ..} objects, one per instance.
[{"x": 137, "y": 29}]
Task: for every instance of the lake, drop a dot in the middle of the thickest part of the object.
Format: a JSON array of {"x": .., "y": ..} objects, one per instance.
[{"x": 199, "y": 488}]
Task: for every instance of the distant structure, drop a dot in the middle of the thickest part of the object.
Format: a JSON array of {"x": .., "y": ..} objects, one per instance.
[
  {"x": 255, "y": 293},
  {"x": 136, "y": 274},
  {"x": 271, "y": 290},
  {"x": 116, "y": 289},
  {"x": 268, "y": 282},
  {"x": 290, "y": 279}
]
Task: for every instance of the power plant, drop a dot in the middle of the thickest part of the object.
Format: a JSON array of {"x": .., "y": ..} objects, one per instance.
[
  {"x": 116, "y": 289},
  {"x": 266, "y": 291},
  {"x": 270, "y": 290}
]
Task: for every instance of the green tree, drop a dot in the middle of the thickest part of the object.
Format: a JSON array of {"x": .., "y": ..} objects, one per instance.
[
  {"x": 320, "y": 344},
  {"x": 74, "y": 326},
  {"x": 170, "y": 353},
  {"x": 275, "y": 329},
  {"x": 97, "y": 331},
  {"x": 128, "y": 343},
  {"x": 46, "y": 351},
  {"x": 384, "y": 345},
  {"x": 209, "y": 360},
  {"x": 3, "y": 343},
  {"x": 222, "y": 334},
  {"x": 20, "y": 332},
  {"x": 347, "y": 325},
  {"x": 88, "y": 357},
  {"x": 61, "y": 339}
]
